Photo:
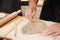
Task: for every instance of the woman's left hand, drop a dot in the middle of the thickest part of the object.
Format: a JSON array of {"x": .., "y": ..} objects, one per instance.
[{"x": 53, "y": 30}]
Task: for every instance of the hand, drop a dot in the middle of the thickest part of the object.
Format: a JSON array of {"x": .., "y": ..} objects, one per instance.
[
  {"x": 30, "y": 12},
  {"x": 53, "y": 30}
]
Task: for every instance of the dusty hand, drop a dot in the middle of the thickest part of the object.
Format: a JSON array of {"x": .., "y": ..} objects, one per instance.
[
  {"x": 53, "y": 30},
  {"x": 30, "y": 12}
]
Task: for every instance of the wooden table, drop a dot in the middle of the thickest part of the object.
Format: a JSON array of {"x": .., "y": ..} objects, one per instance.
[
  {"x": 8, "y": 27},
  {"x": 12, "y": 30}
]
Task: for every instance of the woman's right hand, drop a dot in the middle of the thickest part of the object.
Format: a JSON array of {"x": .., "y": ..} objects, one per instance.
[{"x": 30, "y": 12}]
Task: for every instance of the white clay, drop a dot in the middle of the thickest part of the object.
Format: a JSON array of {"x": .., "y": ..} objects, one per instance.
[{"x": 35, "y": 26}]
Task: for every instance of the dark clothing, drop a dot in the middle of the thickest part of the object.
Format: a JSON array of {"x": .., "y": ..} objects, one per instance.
[
  {"x": 51, "y": 10},
  {"x": 9, "y": 6}
]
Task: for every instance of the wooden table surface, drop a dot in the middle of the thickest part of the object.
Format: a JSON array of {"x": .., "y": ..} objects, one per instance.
[
  {"x": 6, "y": 28},
  {"x": 9, "y": 29}
]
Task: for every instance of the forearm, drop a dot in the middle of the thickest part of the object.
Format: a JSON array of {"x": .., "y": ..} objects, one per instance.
[{"x": 33, "y": 3}]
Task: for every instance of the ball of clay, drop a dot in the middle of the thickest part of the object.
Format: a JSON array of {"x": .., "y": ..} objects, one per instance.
[{"x": 35, "y": 26}]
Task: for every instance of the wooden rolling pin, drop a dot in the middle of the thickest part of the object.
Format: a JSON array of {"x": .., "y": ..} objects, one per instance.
[{"x": 8, "y": 18}]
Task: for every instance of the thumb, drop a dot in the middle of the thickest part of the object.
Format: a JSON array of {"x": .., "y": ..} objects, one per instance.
[{"x": 33, "y": 14}]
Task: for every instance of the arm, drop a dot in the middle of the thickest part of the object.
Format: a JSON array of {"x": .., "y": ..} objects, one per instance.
[
  {"x": 33, "y": 3},
  {"x": 31, "y": 10}
]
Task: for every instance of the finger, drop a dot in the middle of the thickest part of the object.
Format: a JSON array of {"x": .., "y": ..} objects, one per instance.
[
  {"x": 30, "y": 17},
  {"x": 26, "y": 13},
  {"x": 33, "y": 13},
  {"x": 48, "y": 32},
  {"x": 45, "y": 31},
  {"x": 55, "y": 34}
]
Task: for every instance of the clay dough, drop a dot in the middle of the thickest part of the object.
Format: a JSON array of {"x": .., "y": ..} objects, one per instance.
[{"x": 35, "y": 26}]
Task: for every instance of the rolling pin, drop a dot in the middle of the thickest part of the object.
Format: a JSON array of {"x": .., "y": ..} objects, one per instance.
[{"x": 8, "y": 18}]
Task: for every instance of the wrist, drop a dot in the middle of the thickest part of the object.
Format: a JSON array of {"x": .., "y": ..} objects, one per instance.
[{"x": 33, "y": 7}]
